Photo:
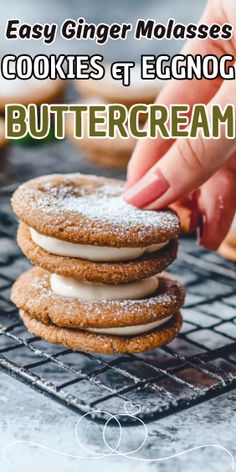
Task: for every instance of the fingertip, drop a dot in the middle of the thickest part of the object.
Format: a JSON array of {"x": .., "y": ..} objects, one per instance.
[
  {"x": 147, "y": 189},
  {"x": 146, "y": 154},
  {"x": 132, "y": 176}
]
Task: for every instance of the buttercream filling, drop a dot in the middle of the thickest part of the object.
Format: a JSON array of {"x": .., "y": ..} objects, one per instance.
[
  {"x": 91, "y": 253},
  {"x": 71, "y": 288},
  {"x": 130, "y": 330}
]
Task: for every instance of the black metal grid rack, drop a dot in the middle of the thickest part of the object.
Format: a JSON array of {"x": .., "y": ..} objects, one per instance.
[{"x": 199, "y": 364}]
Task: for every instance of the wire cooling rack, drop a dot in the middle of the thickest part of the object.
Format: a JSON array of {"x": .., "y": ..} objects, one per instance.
[{"x": 199, "y": 364}]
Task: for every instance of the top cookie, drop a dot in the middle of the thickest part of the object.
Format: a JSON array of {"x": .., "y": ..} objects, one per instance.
[{"x": 86, "y": 209}]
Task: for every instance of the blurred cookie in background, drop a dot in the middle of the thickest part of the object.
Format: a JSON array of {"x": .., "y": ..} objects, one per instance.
[
  {"x": 228, "y": 248},
  {"x": 106, "y": 152},
  {"x": 30, "y": 91},
  {"x": 3, "y": 140},
  {"x": 112, "y": 91}
]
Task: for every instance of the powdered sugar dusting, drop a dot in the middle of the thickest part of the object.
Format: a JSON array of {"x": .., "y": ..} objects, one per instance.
[
  {"x": 68, "y": 306},
  {"x": 90, "y": 210},
  {"x": 104, "y": 205}
]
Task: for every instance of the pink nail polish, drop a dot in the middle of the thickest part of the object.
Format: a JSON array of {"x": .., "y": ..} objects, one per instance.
[{"x": 152, "y": 186}]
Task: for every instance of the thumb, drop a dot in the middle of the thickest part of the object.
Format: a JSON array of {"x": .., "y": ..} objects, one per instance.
[{"x": 186, "y": 165}]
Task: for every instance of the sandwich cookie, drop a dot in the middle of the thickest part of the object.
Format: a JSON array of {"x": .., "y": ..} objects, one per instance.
[
  {"x": 97, "y": 287},
  {"x": 80, "y": 227},
  {"x": 84, "y": 305},
  {"x": 41, "y": 250},
  {"x": 112, "y": 153}
]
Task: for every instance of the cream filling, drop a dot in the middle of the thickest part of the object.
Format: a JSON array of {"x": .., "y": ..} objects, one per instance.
[
  {"x": 71, "y": 288},
  {"x": 91, "y": 253},
  {"x": 130, "y": 330}
]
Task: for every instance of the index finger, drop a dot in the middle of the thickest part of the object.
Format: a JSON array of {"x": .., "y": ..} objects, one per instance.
[{"x": 148, "y": 151}]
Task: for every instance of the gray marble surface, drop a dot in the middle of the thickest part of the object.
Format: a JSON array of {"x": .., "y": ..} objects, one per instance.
[{"x": 29, "y": 416}]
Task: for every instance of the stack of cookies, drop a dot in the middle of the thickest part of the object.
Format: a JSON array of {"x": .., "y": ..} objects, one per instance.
[{"x": 96, "y": 285}]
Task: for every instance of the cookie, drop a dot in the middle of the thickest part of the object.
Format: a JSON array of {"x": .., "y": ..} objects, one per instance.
[
  {"x": 112, "y": 91},
  {"x": 79, "y": 340},
  {"x": 90, "y": 271},
  {"x": 112, "y": 153},
  {"x": 29, "y": 91},
  {"x": 32, "y": 293},
  {"x": 90, "y": 210}
]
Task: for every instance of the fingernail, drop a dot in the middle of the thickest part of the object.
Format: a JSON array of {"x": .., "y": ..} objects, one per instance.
[{"x": 152, "y": 186}]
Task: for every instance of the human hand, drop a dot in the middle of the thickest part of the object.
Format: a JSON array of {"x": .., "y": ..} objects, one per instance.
[{"x": 197, "y": 173}]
